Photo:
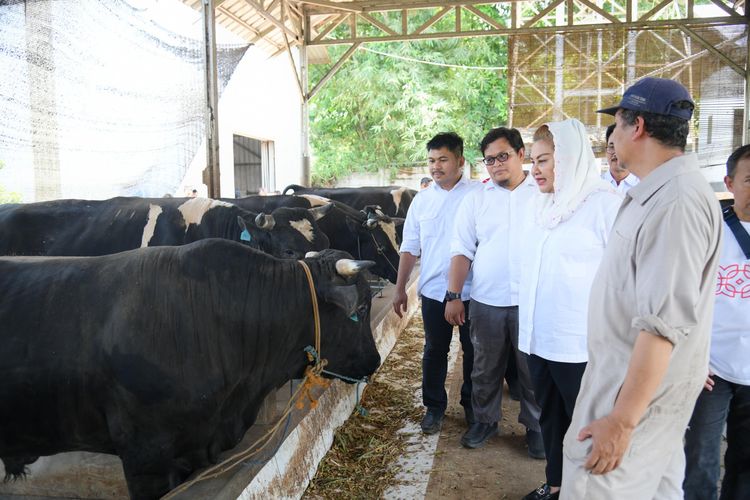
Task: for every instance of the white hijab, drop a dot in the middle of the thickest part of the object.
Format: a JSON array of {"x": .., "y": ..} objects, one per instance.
[{"x": 577, "y": 174}]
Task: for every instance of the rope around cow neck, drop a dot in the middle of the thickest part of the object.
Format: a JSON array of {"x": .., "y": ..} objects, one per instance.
[{"x": 312, "y": 378}]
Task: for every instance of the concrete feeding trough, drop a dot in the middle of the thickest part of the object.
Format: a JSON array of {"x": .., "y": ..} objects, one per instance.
[{"x": 281, "y": 469}]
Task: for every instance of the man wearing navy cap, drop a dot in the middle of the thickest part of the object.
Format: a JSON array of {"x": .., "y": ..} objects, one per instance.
[{"x": 649, "y": 320}]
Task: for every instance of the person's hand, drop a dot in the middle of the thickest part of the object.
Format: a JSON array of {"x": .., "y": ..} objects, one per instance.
[
  {"x": 400, "y": 302},
  {"x": 455, "y": 312},
  {"x": 709, "y": 384},
  {"x": 609, "y": 440}
]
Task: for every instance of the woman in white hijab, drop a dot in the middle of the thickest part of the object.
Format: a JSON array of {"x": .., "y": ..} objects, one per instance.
[{"x": 563, "y": 244}]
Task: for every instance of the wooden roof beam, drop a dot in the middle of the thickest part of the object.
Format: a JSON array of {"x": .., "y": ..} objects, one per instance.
[{"x": 270, "y": 18}]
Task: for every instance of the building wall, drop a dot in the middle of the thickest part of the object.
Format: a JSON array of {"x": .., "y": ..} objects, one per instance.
[{"x": 261, "y": 101}]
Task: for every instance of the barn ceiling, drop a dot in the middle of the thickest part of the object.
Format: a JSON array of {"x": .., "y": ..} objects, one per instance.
[{"x": 275, "y": 25}]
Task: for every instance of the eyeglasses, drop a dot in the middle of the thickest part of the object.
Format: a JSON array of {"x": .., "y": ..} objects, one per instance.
[{"x": 502, "y": 158}]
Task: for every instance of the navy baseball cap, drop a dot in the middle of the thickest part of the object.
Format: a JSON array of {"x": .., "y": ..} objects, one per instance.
[{"x": 656, "y": 95}]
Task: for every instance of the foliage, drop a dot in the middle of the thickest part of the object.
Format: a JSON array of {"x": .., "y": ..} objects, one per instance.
[
  {"x": 379, "y": 111},
  {"x": 8, "y": 196}
]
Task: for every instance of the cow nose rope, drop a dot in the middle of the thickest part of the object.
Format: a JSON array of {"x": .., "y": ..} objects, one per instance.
[{"x": 312, "y": 378}]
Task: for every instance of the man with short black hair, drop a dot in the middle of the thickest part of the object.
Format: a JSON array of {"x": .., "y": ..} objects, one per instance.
[
  {"x": 726, "y": 395},
  {"x": 649, "y": 321},
  {"x": 428, "y": 224},
  {"x": 618, "y": 175},
  {"x": 486, "y": 241}
]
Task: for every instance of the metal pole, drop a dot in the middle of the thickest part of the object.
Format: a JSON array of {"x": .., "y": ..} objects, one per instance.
[
  {"x": 304, "y": 108},
  {"x": 211, "y": 175},
  {"x": 746, "y": 121},
  {"x": 557, "y": 113}
]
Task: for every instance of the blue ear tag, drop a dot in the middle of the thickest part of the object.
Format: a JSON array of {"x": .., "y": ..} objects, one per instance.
[
  {"x": 245, "y": 236},
  {"x": 354, "y": 317}
]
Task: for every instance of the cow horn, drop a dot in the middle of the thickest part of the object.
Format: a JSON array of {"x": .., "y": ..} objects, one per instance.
[
  {"x": 320, "y": 212},
  {"x": 264, "y": 221},
  {"x": 310, "y": 255},
  {"x": 348, "y": 268}
]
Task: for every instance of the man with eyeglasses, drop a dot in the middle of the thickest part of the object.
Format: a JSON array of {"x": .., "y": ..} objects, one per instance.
[
  {"x": 618, "y": 174},
  {"x": 428, "y": 224},
  {"x": 485, "y": 240}
]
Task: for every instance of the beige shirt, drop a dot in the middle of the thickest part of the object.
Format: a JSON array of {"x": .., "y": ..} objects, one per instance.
[{"x": 658, "y": 274}]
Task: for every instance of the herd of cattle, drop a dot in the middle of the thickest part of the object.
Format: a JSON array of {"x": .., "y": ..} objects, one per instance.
[{"x": 153, "y": 329}]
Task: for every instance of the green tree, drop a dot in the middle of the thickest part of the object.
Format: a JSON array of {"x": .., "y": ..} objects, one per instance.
[
  {"x": 8, "y": 196},
  {"x": 379, "y": 110}
]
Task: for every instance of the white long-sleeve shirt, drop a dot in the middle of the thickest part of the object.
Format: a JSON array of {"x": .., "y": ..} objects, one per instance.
[
  {"x": 625, "y": 184},
  {"x": 487, "y": 230},
  {"x": 557, "y": 271},
  {"x": 730, "y": 332},
  {"x": 427, "y": 229}
]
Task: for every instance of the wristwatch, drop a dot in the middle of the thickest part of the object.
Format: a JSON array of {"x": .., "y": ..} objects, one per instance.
[{"x": 451, "y": 296}]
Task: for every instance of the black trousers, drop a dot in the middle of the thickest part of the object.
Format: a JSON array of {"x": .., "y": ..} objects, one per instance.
[
  {"x": 556, "y": 388},
  {"x": 437, "y": 340}
]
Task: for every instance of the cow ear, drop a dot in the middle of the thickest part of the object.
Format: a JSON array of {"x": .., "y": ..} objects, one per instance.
[
  {"x": 342, "y": 296},
  {"x": 321, "y": 211},
  {"x": 244, "y": 233}
]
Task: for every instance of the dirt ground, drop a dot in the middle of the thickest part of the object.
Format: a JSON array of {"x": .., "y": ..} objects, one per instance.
[{"x": 501, "y": 469}]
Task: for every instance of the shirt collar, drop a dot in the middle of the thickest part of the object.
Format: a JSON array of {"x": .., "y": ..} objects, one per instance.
[
  {"x": 528, "y": 181},
  {"x": 679, "y": 165},
  {"x": 462, "y": 181}
]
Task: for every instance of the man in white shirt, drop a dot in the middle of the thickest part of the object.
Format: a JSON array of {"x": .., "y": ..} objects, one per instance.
[
  {"x": 726, "y": 396},
  {"x": 428, "y": 225},
  {"x": 486, "y": 240},
  {"x": 618, "y": 174}
]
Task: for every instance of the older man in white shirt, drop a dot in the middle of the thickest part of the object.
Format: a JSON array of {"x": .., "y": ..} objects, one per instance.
[
  {"x": 486, "y": 239},
  {"x": 428, "y": 224},
  {"x": 618, "y": 174}
]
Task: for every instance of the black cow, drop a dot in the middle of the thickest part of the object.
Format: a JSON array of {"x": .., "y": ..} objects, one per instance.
[
  {"x": 163, "y": 355},
  {"x": 393, "y": 200},
  {"x": 101, "y": 227},
  {"x": 367, "y": 234}
]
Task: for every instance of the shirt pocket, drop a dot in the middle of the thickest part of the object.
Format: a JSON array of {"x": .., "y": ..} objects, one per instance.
[
  {"x": 579, "y": 255},
  {"x": 617, "y": 267},
  {"x": 430, "y": 227}
]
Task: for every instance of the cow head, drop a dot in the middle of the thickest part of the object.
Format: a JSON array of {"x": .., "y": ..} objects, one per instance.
[
  {"x": 379, "y": 241},
  {"x": 288, "y": 233},
  {"x": 344, "y": 304}
]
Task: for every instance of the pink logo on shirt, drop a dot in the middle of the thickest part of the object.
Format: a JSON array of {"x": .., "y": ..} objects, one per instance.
[{"x": 734, "y": 281}]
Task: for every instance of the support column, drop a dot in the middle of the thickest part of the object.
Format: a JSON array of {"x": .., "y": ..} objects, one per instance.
[
  {"x": 211, "y": 175},
  {"x": 305, "y": 176},
  {"x": 557, "y": 113},
  {"x": 746, "y": 121},
  {"x": 45, "y": 146}
]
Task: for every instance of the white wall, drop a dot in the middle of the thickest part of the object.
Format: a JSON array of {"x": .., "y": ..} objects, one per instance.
[{"x": 261, "y": 101}]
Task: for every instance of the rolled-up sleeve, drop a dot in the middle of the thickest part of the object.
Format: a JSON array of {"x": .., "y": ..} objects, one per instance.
[
  {"x": 410, "y": 241},
  {"x": 464, "y": 239},
  {"x": 670, "y": 257}
]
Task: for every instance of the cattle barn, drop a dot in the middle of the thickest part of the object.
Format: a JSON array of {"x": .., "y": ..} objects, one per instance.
[{"x": 170, "y": 113}]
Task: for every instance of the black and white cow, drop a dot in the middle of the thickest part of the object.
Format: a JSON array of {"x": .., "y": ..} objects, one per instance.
[
  {"x": 163, "y": 355},
  {"x": 366, "y": 234},
  {"x": 394, "y": 201},
  {"x": 100, "y": 227}
]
